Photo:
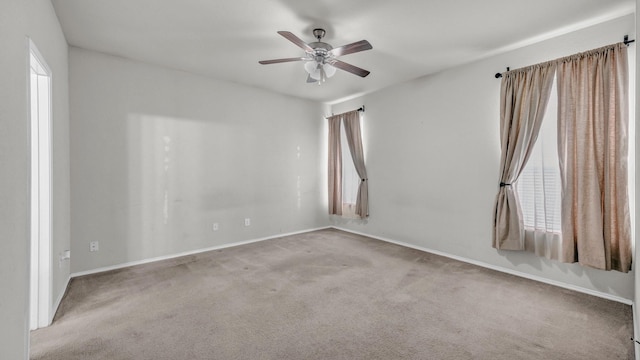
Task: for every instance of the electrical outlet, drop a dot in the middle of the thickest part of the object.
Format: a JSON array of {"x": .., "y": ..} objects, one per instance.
[
  {"x": 247, "y": 222},
  {"x": 215, "y": 227},
  {"x": 93, "y": 246}
]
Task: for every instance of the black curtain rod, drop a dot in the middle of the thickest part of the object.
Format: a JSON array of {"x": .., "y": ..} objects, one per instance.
[
  {"x": 626, "y": 41},
  {"x": 358, "y": 109}
]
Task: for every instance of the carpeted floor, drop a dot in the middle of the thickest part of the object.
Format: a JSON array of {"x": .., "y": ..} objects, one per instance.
[{"x": 327, "y": 295}]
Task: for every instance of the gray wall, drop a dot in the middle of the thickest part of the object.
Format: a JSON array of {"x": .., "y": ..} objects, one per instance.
[
  {"x": 160, "y": 155},
  {"x": 432, "y": 151},
  {"x": 36, "y": 19}
]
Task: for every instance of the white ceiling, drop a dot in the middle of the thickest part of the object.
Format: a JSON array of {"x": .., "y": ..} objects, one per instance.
[{"x": 224, "y": 39}]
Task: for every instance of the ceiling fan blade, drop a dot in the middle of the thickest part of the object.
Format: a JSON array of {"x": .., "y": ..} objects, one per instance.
[
  {"x": 358, "y": 46},
  {"x": 276, "y": 61},
  {"x": 350, "y": 68},
  {"x": 296, "y": 40}
]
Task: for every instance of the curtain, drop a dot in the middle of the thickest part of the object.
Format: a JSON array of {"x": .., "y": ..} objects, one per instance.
[
  {"x": 354, "y": 139},
  {"x": 524, "y": 94},
  {"x": 350, "y": 179},
  {"x": 539, "y": 190},
  {"x": 335, "y": 166},
  {"x": 592, "y": 148}
]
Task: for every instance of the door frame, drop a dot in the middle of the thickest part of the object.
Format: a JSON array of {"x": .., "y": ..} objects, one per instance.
[{"x": 40, "y": 191}]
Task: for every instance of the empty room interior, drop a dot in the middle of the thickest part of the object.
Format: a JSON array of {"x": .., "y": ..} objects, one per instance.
[{"x": 318, "y": 179}]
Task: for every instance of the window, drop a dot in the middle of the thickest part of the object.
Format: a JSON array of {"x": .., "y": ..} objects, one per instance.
[
  {"x": 350, "y": 178},
  {"x": 590, "y": 207},
  {"x": 345, "y": 171},
  {"x": 539, "y": 187}
]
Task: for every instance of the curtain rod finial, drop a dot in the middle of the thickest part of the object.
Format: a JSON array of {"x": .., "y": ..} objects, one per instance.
[
  {"x": 627, "y": 41},
  {"x": 499, "y": 75}
]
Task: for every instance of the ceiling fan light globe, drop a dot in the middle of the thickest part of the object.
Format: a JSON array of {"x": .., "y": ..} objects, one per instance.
[
  {"x": 316, "y": 75},
  {"x": 311, "y": 67},
  {"x": 329, "y": 70}
]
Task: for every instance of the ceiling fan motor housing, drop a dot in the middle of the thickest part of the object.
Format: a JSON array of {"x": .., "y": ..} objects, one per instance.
[{"x": 320, "y": 51}]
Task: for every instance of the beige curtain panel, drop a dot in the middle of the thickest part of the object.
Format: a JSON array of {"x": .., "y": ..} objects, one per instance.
[
  {"x": 593, "y": 148},
  {"x": 335, "y": 166},
  {"x": 354, "y": 138},
  {"x": 524, "y": 94}
]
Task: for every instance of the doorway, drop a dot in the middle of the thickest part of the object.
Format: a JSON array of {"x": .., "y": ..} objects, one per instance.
[{"x": 40, "y": 231}]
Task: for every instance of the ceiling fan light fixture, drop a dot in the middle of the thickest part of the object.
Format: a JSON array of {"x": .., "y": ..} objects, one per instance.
[{"x": 318, "y": 71}]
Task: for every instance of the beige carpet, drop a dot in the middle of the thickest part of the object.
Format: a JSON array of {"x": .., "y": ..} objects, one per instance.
[{"x": 327, "y": 295}]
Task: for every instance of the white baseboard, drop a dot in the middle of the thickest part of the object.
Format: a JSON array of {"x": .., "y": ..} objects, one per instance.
[
  {"x": 436, "y": 252},
  {"x": 185, "y": 253},
  {"x": 499, "y": 268}
]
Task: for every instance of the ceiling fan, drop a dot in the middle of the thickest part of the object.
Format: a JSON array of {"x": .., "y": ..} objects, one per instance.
[{"x": 320, "y": 57}]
